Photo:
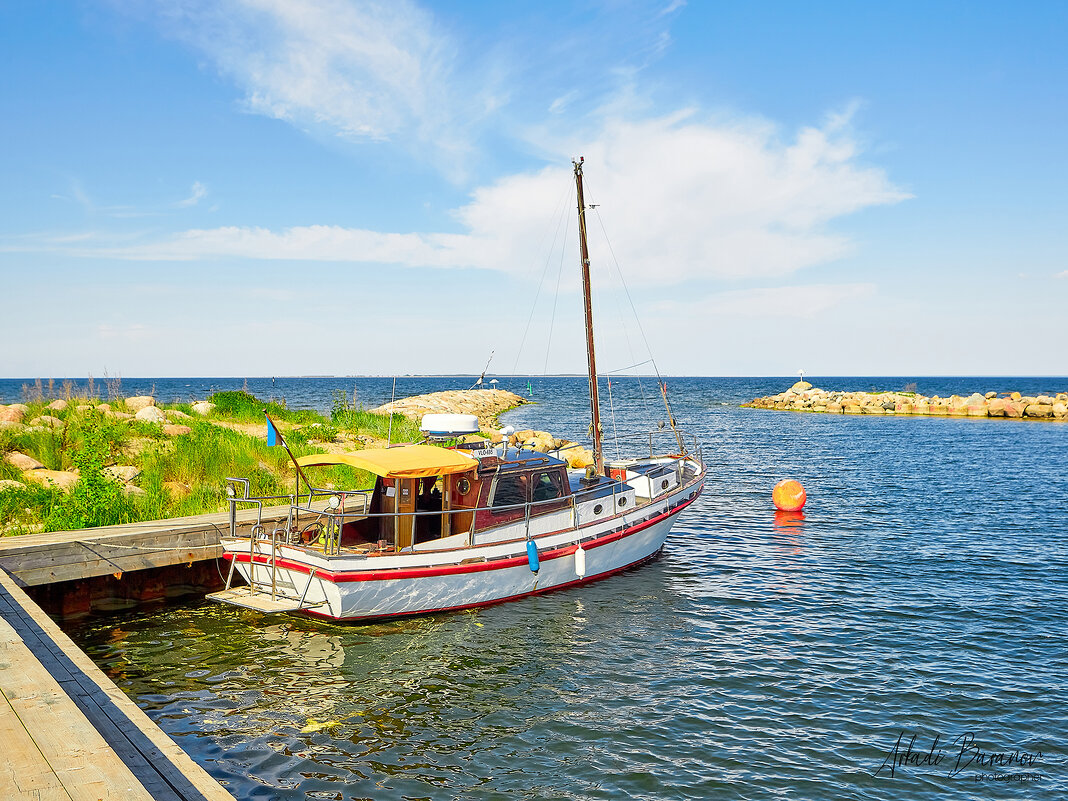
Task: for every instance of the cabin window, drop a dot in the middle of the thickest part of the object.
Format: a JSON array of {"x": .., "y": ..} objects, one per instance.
[
  {"x": 546, "y": 487},
  {"x": 511, "y": 490}
]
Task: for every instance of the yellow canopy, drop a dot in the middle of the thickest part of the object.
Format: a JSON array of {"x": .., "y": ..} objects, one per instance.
[{"x": 408, "y": 461}]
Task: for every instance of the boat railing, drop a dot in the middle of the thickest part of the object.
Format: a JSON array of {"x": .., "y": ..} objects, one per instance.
[
  {"x": 662, "y": 442},
  {"x": 329, "y": 518}
]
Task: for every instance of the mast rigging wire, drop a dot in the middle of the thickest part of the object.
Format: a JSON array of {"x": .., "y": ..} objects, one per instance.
[{"x": 561, "y": 217}]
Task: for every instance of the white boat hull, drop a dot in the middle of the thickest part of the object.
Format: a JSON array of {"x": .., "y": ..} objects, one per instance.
[{"x": 353, "y": 588}]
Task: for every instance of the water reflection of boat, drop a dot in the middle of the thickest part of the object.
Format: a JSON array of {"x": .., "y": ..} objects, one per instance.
[{"x": 462, "y": 526}]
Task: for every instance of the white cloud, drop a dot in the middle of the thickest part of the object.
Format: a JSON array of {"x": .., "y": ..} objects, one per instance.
[
  {"x": 681, "y": 198},
  {"x": 362, "y": 70},
  {"x": 805, "y": 301},
  {"x": 196, "y": 194}
]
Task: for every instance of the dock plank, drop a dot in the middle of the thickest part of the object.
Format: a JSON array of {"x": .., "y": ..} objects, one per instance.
[
  {"x": 158, "y": 766},
  {"x": 89, "y": 770}
]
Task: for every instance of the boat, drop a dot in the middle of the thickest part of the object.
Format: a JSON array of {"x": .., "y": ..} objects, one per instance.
[{"x": 453, "y": 524}]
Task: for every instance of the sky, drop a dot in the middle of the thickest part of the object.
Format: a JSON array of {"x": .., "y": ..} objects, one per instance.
[{"x": 339, "y": 187}]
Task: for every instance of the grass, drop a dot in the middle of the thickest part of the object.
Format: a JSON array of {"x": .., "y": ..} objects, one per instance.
[
  {"x": 244, "y": 407},
  {"x": 179, "y": 475},
  {"x": 394, "y": 428}
]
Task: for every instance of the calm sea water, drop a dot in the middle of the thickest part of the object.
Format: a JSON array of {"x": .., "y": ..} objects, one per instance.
[{"x": 923, "y": 593}]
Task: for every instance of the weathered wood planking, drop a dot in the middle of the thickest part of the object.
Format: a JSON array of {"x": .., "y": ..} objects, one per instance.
[
  {"x": 59, "y": 751},
  {"x": 89, "y": 741},
  {"x": 37, "y": 559}
]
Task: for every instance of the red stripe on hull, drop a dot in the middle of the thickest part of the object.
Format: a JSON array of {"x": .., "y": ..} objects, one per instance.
[
  {"x": 428, "y": 572},
  {"x": 480, "y": 604}
]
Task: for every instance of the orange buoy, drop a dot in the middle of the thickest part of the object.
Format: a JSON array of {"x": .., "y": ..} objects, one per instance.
[{"x": 789, "y": 495}]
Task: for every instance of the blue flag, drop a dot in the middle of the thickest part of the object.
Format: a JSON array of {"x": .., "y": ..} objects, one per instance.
[{"x": 272, "y": 433}]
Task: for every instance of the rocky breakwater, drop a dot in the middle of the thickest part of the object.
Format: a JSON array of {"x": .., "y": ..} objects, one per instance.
[
  {"x": 574, "y": 454},
  {"x": 485, "y": 404},
  {"x": 803, "y": 397}
]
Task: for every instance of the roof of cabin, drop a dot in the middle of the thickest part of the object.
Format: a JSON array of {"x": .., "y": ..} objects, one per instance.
[{"x": 406, "y": 461}]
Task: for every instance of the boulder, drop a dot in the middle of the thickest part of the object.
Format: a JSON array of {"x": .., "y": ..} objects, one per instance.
[
  {"x": 118, "y": 415},
  {"x": 58, "y": 405},
  {"x": 1038, "y": 410},
  {"x": 176, "y": 414},
  {"x": 139, "y": 402},
  {"x": 578, "y": 458},
  {"x": 6, "y": 425},
  {"x": 203, "y": 407},
  {"x": 1014, "y": 409},
  {"x": 47, "y": 420},
  {"x": 976, "y": 410},
  {"x": 83, "y": 408},
  {"x": 800, "y": 386},
  {"x": 1044, "y": 400},
  {"x": 133, "y": 490},
  {"x": 1060, "y": 410},
  {"x": 62, "y": 479},
  {"x": 21, "y": 461},
  {"x": 990, "y": 395},
  {"x": 995, "y": 407},
  {"x": 151, "y": 414},
  {"x": 122, "y": 472},
  {"x": 1015, "y": 396},
  {"x": 12, "y": 414},
  {"x": 103, "y": 407},
  {"x": 176, "y": 430},
  {"x": 8, "y": 484}
]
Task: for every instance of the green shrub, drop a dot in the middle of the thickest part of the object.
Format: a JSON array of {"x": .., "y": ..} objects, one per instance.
[{"x": 96, "y": 500}]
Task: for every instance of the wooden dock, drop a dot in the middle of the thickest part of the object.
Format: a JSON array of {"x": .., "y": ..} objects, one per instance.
[
  {"x": 38, "y": 559},
  {"x": 68, "y": 732}
]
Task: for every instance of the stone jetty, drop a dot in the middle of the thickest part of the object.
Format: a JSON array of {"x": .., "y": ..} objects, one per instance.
[
  {"x": 485, "y": 404},
  {"x": 803, "y": 397}
]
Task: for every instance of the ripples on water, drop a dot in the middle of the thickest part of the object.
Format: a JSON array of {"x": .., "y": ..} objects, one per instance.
[{"x": 924, "y": 591}]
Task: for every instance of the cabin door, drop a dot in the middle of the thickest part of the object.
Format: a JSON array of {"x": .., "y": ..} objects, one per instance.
[{"x": 406, "y": 491}]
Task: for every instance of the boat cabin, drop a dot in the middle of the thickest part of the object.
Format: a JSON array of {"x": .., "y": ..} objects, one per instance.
[{"x": 429, "y": 498}]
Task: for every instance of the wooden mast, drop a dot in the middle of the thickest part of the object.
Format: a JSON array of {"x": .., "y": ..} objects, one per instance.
[{"x": 584, "y": 253}]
